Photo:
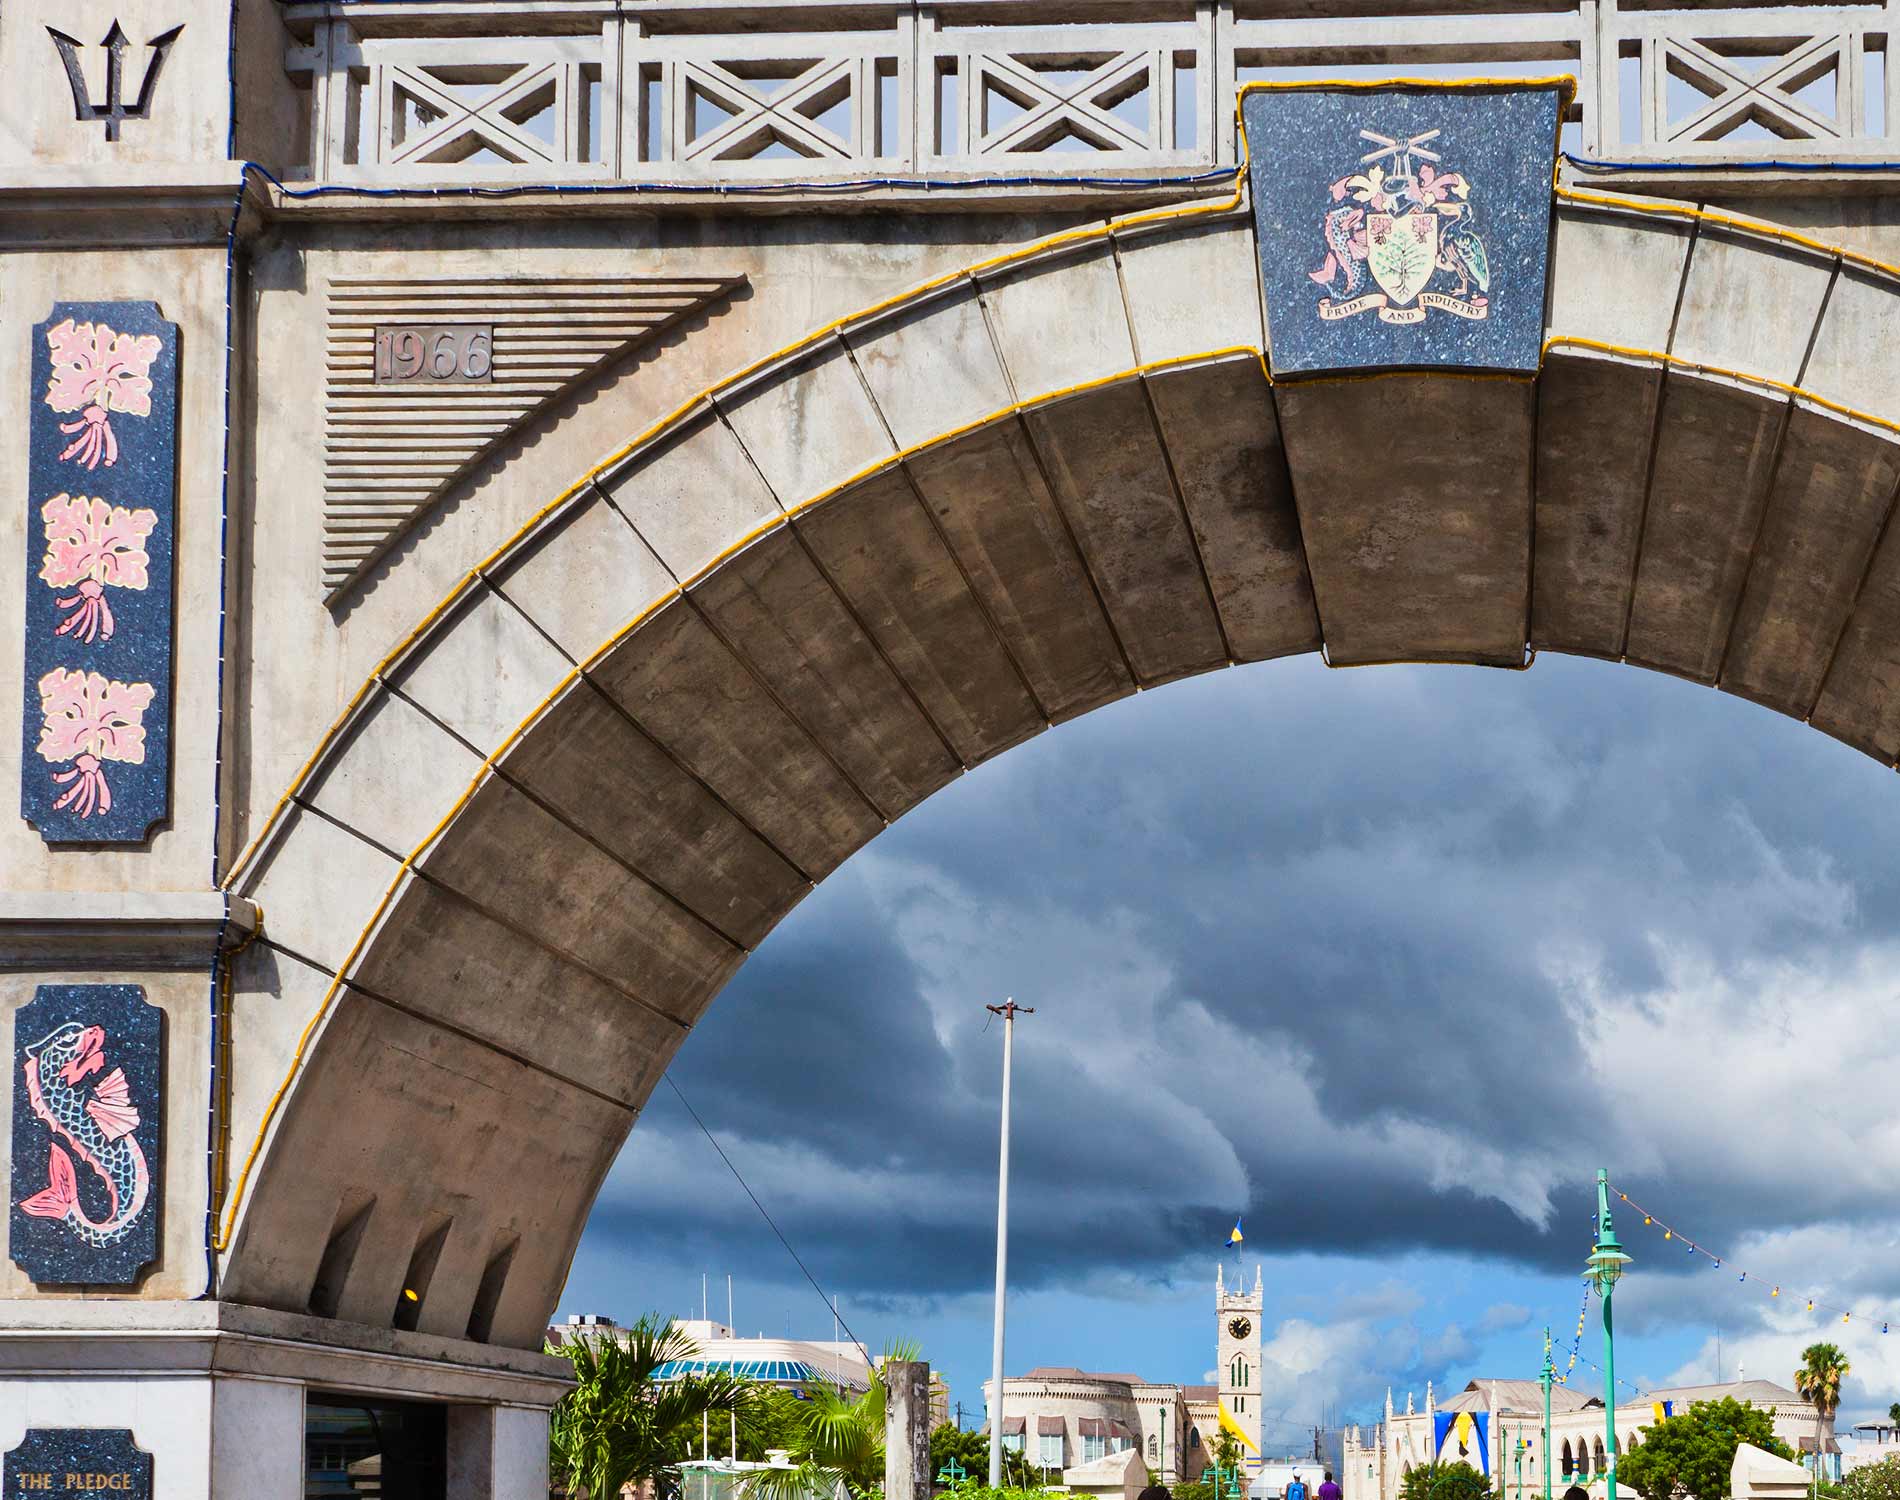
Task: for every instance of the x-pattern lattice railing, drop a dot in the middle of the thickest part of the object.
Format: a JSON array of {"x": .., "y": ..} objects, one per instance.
[
  {"x": 1079, "y": 111},
  {"x": 658, "y": 90},
  {"x": 456, "y": 128}
]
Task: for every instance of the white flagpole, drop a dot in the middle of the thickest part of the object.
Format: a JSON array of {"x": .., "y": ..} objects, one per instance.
[{"x": 1008, "y": 1010}]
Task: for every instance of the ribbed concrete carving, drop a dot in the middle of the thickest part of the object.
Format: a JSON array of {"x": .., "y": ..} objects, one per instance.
[
  {"x": 561, "y": 818},
  {"x": 391, "y": 449}
]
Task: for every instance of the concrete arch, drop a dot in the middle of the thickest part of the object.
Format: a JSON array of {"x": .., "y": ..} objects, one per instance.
[{"x": 570, "y": 804}]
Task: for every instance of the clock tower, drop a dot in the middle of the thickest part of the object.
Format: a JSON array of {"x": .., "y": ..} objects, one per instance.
[{"x": 1237, "y": 1338}]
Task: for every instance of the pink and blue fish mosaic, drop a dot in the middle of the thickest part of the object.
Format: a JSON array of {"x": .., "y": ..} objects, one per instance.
[{"x": 85, "y": 1165}]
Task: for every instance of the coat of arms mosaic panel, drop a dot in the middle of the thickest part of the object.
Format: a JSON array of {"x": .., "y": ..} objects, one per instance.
[{"x": 1404, "y": 225}]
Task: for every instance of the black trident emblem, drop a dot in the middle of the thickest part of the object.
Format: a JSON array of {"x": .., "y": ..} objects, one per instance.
[{"x": 115, "y": 108}]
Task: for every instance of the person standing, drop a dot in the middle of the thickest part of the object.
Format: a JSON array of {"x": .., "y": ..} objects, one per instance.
[
  {"x": 1295, "y": 1489},
  {"x": 1328, "y": 1490}
]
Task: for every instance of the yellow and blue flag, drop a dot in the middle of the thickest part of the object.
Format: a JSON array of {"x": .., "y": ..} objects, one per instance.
[
  {"x": 1227, "y": 1423},
  {"x": 1234, "y": 1236}
]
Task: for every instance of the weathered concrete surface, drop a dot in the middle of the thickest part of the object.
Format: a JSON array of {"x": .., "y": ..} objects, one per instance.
[
  {"x": 775, "y": 609},
  {"x": 1714, "y": 457},
  {"x": 559, "y": 818},
  {"x": 989, "y": 499},
  {"x": 1110, "y": 474},
  {"x": 893, "y": 567},
  {"x": 1222, "y": 433},
  {"x": 1834, "y": 488},
  {"x": 1415, "y": 502},
  {"x": 907, "y": 1474},
  {"x": 781, "y": 645},
  {"x": 1595, "y": 420}
]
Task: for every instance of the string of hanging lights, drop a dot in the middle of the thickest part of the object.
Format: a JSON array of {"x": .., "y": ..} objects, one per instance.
[{"x": 1673, "y": 1235}]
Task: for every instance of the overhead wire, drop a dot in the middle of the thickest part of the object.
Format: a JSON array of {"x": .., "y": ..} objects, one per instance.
[{"x": 831, "y": 1306}]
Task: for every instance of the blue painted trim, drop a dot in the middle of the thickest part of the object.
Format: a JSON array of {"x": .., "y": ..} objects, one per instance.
[{"x": 1593, "y": 164}]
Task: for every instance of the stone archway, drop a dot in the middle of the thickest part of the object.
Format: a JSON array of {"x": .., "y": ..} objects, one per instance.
[{"x": 570, "y": 804}]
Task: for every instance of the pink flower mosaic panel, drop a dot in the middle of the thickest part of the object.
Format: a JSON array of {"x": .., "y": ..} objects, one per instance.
[{"x": 102, "y": 439}]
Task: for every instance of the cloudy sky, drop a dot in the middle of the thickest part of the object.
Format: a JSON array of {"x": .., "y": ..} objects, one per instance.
[{"x": 1388, "y": 961}]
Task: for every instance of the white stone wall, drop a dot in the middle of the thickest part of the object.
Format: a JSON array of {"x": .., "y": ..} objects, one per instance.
[{"x": 1070, "y": 1398}]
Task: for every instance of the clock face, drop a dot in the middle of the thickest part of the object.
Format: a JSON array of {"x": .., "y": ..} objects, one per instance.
[{"x": 1239, "y": 1327}]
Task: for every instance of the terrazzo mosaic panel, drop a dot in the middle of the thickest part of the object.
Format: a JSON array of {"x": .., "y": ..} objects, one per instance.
[
  {"x": 76, "y": 1461},
  {"x": 87, "y": 1093},
  {"x": 95, "y": 764},
  {"x": 1403, "y": 227}
]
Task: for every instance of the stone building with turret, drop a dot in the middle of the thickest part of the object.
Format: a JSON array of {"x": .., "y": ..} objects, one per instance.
[{"x": 1496, "y": 1426}]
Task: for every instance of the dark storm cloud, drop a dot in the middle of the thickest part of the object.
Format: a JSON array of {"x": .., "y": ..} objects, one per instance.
[{"x": 1338, "y": 950}]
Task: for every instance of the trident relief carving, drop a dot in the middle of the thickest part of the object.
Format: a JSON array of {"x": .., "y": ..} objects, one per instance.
[{"x": 113, "y": 109}]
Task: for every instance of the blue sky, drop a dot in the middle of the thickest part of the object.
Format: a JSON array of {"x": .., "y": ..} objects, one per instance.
[{"x": 1388, "y": 961}]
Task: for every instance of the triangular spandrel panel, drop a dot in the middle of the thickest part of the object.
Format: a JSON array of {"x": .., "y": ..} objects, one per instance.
[{"x": 393, "y": 446}]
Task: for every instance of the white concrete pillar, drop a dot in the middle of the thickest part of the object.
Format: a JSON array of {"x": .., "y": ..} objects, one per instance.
[
  {"x": 471, "y": 1456},
  {"x": 257, "y": 1447},
  {"x": 521, "y": 1453}
]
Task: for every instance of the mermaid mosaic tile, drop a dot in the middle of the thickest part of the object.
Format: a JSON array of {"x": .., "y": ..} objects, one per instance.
[
  {"x": 101, "y": 527},
  {"x": 87, "y": 1090}
]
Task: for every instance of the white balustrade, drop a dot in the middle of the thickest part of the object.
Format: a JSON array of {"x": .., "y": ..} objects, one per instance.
[{"x": 651, "y": 92}]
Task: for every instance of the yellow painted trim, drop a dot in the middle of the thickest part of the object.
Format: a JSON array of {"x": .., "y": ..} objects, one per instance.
[
  {"x": 1760, "y": 228},
  {"x": 1697, "y": 367},
  {"x": 1565, "y": 81},
  {"x": 674, "y": 418},
  {"x": 811, "y": 340},
  {"x": 221, "y": 1240},
  {"x": 707, "y": 398}
]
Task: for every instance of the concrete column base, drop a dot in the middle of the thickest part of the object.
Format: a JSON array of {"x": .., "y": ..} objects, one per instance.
[{"x": 217, "y": 1393}]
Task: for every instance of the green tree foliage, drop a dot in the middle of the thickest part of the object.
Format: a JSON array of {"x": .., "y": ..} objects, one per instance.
[
  {"x": 619, "y": 1425},
  {"x": 1444, "y": 1482},
  {"x": 1692, "y": 1452},
  {"x": 835, "y": 1438},
  {"x": 972, "y": 1453},
  {"x": 1879, "y": 1481},
  {"x": 1198, "y": 1489},
  {"x": 1823, "y": 1368}
]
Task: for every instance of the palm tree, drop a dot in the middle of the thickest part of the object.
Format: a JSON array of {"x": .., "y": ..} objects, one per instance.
[
  {"x": 1823, "y": 1368},
  {"x": 838, "y": 1440},
  {"x": 619, "y": 1425},
  {"x": 1893, "y": 1414}
]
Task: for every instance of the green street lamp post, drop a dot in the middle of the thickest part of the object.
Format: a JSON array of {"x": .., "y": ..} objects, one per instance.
[
  {"x": 1604, "y": 1269},
  {"x": 1549, "y": 1375}
]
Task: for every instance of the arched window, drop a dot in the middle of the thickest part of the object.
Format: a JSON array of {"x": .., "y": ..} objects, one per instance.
[
  {"x": 1154, "y": 1448},
  {"x": 1194, "y": 1437},
  {"x": 1602, "y": 1466},
  {"x": 1569, "y": 1466},
  {"x": 1238, "y": 1373}
]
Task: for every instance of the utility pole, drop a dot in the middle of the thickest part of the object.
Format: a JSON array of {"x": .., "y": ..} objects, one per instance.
[{"x": 1008, "y": 1010}]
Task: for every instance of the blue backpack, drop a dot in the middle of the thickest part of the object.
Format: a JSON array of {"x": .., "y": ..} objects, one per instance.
[{"x": 1296, "y": 1491}]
